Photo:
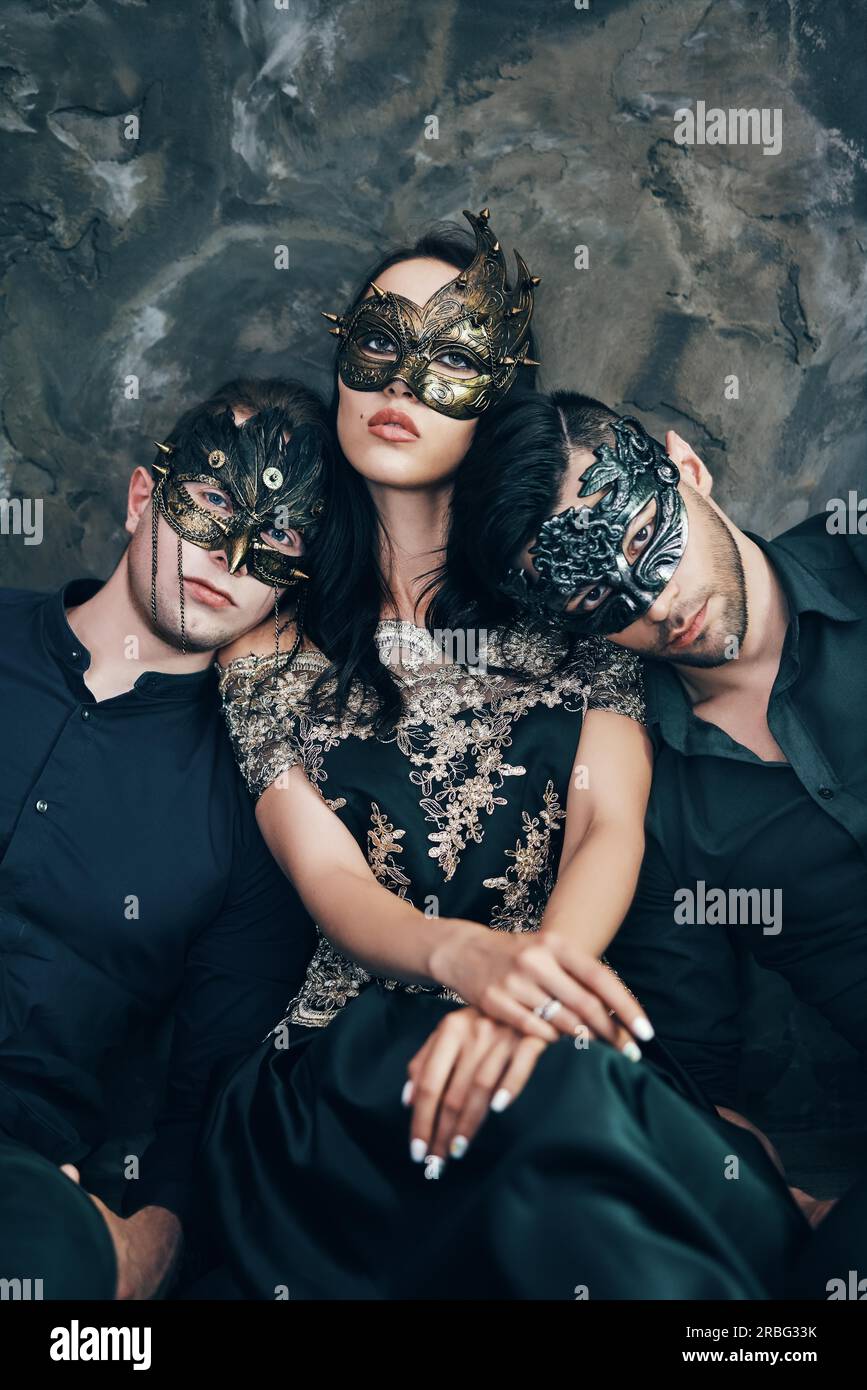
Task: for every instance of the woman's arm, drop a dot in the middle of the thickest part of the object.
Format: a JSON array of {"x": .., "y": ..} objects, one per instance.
[
  {"x": 506, "y": 975},
  {"x": 604, "y": 834},
  {"x": 364, "y": 919}
]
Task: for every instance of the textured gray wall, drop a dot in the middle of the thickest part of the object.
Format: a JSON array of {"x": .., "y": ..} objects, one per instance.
[{"x": 305, "y": 126}]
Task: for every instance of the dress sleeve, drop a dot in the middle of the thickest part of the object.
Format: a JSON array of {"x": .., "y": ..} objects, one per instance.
[
  {"x": 261, "y": 721},
  {"x": 616, "y": 681}
]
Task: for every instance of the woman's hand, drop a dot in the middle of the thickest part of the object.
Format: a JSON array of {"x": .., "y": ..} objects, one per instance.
[
  {"x": 469, "y": 1066},
  {"x": 542, "y": 985}
]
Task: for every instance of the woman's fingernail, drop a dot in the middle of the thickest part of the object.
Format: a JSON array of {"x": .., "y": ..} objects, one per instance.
[
  {"x": 459, "y": 1146},
  {"x": 433, "y": 1166},
  {"x": 418, "y": 1150},
  {"x": 501, "y": 1099},
  {"x": 632, "y": 1051},
  {"x": 406, "y": 1094},
  {"x": 643, "y": 1028}
]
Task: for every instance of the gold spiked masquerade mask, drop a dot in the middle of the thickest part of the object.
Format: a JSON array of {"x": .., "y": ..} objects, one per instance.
[
  {"x": 274, "y": 488},
  {"x": 475, "y": 320}
]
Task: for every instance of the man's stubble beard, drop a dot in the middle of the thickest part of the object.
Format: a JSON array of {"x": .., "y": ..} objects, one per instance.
[
  {"x": 168, "y": 629},
  {"x": 728, "y": 579}
]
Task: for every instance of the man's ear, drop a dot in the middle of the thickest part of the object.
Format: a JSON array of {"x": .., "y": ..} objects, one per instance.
[
  {"x": 141, "y": 485},
  {"x": 692, "y": 469}
]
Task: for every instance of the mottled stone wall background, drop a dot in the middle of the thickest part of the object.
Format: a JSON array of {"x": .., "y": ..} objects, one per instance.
[{"x": 305, "y": 126}]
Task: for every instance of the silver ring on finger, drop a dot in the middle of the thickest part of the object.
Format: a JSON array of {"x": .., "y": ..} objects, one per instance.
[{"x": 548, "y": 1010}]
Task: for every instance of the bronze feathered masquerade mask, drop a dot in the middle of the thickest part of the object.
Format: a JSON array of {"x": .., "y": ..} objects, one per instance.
[{"x": 242, "y": 489}]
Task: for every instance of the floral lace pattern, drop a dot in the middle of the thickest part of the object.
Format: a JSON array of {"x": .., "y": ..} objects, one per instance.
[
  {"x": 527, "y": 883},
  {"x": 455, "y": 734}
]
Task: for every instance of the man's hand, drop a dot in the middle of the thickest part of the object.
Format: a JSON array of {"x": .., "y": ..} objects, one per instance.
[
  {"x": 147, "y": 1245},
  {"x": 814, "y": 1208}
]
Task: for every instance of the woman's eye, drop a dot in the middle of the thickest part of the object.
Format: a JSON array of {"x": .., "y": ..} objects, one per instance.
[
  {"x": 378, "y": 345},
  {"x": 457, "y": 362}
]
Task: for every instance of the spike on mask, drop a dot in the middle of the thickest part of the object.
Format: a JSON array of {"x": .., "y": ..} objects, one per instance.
[
  {"x": 476, "y": 317},
  {"x": 272, "y": 486},
  {"x": 582, "y": 549}
]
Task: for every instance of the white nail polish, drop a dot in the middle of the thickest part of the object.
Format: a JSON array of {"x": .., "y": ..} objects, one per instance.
[
  {"x": 501, "y": 1099},
  {"x": 632, "y": 1051},
  {"x": 643, "y": 1029},
  {"x": 406, "y": 1094},
  {"x": 418, "y": 1150},
  {"x": 459, "y": 1146},
  {"x": 433, "y": 1166}
]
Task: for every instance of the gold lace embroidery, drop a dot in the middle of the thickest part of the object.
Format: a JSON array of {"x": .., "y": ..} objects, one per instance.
[
  {"x": 332, "y": 979},
  {"x": 382, "y": 846},
  {"x": 455, "y": 732},
  {"x": 527, "y": 883}
]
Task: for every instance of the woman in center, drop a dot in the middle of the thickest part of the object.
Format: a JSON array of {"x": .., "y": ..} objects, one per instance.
[{"x": 463, "y": 1101}]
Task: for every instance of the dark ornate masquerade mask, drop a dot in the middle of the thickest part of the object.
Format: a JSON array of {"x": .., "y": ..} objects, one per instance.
[
  {"x": 584, "y": 548},
  {"x": 457, "y": 352},
  {"x": 273, "y": 487}
]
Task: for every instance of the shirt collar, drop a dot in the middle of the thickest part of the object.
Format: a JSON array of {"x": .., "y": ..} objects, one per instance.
[
  {"x": 805, "y": 591},
  {"x": 68, "y": 649}
]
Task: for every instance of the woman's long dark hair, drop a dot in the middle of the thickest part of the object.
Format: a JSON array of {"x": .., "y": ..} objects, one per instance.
[
  {"x": 349, "y": 588},
  {"x": 504, "y": 492}
]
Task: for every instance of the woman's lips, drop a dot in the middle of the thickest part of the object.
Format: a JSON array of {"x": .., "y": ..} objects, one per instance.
[
  {"x": 392, "y": 424},
  {"x": 203, "y": 593},
  {"x": 690, "y": 633}
]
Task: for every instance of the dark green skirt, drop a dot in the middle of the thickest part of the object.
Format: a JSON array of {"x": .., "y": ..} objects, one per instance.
[{"x": 604, "y": 1179}]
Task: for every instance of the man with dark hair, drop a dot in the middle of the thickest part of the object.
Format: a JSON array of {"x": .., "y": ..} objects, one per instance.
[
  {"x": 756, "y": 672},
  {"x": 756, "y": 675},
  {"x": 134, "y": 882}
]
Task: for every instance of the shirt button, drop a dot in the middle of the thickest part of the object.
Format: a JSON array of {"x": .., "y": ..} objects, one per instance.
[
  {"x": 85, "y": 714},
  {"x": 75, "y": 653},
  {"x": 825, "y": 793},
  {"x": 41, "y": 805}
]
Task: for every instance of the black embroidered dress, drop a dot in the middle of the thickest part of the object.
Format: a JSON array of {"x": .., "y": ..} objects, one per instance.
[{"x": 603, "y": 1173}]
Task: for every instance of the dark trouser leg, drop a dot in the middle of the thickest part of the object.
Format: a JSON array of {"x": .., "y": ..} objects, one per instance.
[{"x": 50, "y": 1231}]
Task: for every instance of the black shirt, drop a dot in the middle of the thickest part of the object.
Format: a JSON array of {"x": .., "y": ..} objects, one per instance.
[
  {"x": 133, "y": 878},
  {"x": 720, "y": 818}
]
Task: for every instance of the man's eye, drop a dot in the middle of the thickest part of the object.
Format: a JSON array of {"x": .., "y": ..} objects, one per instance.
[
  {"x": 594, "y": 597},
  {"x": 280, "y": 539},
  {"x": 641, "y": 538},
  {"x": 216, "y": 500},
  {"x": 378, "y": 345}
]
